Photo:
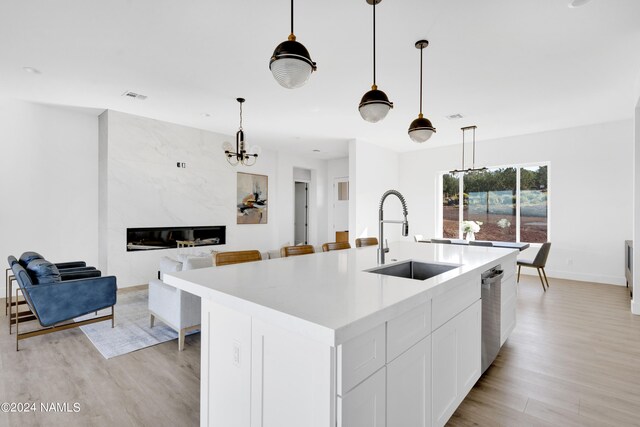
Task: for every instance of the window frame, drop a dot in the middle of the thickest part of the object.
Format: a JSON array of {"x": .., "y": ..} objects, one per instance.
[{"x": 518, "y": 167}]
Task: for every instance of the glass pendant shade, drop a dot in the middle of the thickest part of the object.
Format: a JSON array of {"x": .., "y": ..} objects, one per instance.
[
  {"x": 291, "y": 64},
  {"x": 375, "y": 105},
  {"x": 421, "y": 129}
]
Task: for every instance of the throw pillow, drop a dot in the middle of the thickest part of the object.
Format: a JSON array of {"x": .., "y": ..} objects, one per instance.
[
  {"x": 193, "y": 262},
  {"x": 27, "y": 257},
  {"x": 42, "y": 272}
]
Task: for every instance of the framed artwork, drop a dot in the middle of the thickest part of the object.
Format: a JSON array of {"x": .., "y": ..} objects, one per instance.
[{"x": 252, "y": 198}]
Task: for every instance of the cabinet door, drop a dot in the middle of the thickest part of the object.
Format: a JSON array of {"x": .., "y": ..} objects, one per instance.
[
  {"x": 409, "y": 387},
  {"x": 456, "y": 361},
  {"x": 469, "y": 349},
  {"x": 365, "y": 405}
]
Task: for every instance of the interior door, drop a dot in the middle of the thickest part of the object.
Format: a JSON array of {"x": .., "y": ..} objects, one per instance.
[
  {"x": 301, "y": 216},
  {"x": 341, "y": 204}
]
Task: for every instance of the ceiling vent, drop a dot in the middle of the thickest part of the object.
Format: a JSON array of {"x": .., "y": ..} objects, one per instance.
[
  {"x": 454, "y": 116},
  {"x": 135, "y": 95}
]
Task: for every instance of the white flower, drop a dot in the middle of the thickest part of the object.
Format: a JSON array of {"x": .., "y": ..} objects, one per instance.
[
  {"x": 471, "y": 226},
  {"x": 504, "y": 223}
]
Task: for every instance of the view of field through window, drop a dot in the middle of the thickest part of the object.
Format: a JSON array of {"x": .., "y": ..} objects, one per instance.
[{"x": 491, "y": 197}]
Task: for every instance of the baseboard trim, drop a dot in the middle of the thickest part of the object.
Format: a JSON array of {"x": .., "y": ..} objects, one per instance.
[
  {"x": 569, "y": 275},
  {"x": 635, "y": 306}
]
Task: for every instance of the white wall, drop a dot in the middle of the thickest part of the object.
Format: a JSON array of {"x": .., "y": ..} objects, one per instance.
[
  {"x": 48, "y": 168},
  {"x": 590, "y": 182},
  {"x": 144, "y": 188},
  {"x": 372, "y": 171},
  {"x": 635, "y": 303}
]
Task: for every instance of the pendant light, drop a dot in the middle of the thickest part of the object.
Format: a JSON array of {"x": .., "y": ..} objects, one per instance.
[
  {"x": 375, "y": 104},
  {"x": 291, "y": 63},
  {"x": 241, "y": 156},
  {"x": 421, "y": 128},
  {"x": 473, "y": 163}
]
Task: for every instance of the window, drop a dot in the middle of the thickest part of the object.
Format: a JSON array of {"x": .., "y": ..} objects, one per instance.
[{"x": 510, "y": 202}]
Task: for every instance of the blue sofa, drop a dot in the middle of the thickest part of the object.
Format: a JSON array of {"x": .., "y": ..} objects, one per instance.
[{"x": 53, "y": 301}]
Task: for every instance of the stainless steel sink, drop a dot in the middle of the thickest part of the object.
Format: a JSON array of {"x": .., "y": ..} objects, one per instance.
[{"x": 413, "y": 270}]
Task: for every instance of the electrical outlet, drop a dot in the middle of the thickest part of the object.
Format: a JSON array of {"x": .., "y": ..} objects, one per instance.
[
  {"x": 569, "y": 261},
  {"x": 236, "y": 353}
]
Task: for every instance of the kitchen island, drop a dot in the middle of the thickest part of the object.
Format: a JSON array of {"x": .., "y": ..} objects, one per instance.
[{"x": 320, "y": 340}]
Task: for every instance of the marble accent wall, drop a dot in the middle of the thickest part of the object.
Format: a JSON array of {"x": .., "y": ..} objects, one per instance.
[{"x": 141, "y": 186}]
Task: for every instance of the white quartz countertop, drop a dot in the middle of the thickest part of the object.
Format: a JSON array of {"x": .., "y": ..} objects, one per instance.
[{"x": 329, "y": 296}]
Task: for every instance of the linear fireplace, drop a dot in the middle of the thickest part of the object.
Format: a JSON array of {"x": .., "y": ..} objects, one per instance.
[{"x": 151, "y": 238}]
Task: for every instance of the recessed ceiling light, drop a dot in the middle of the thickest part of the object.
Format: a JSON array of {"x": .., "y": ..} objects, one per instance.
[
  {"x": 316, "y": 151},
  {"x": 454, "y": 116},
  {"x": 31, "y": 70},
  {"x": 578, "y": 3},
  {"x": 206, "y": 115}
]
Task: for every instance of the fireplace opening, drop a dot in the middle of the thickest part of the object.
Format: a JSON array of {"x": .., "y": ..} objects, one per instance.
[{"x": 152, "y": 238}]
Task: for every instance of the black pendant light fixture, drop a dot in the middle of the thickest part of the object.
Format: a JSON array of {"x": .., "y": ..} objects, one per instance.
[
  {"x": 291, "y": 63},
  {"x": 473, "y": 162},
  {"x": 421, "y": 128},
  {"x": 241, "y": 156},
  {"x": 375, "y": 104}
]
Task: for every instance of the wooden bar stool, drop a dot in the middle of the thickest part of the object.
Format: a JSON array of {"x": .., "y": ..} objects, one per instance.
[
  {"x": 237, "y": 257},
  {"x": 366, "y": 241},
  {"x": 288, "y": 251},
  {"x": 335, "y": 246}
]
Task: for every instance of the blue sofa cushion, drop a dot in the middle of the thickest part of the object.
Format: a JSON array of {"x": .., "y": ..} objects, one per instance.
[
  {"x": 12, "y": 260},
  {"x": 42, "y": 271},
  {"x": 27, "y": 257}
]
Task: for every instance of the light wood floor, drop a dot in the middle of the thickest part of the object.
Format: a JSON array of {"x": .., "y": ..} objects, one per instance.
[
  {"x": 573, "y": 360},
  {"x": 156, "y": 386}
]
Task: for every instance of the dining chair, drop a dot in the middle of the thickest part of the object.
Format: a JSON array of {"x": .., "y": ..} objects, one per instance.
[
  {"x": 479, "y": 243},
  {"x": 445, "y": 241},
  {"x": 418, "y": 237},
  {"x": 538, "y": 263},
  {"x": 366, "y": 241},
  {"x": 237, "y": 257},
  {"x": 288, "y": 251},
  {"x": 335, "y": 246}
]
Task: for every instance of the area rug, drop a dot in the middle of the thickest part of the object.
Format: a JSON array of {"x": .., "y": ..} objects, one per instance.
[{"x": 131, "y": 331}]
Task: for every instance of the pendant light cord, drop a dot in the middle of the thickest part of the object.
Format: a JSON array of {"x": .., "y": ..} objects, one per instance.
[
  {"x": 421, "y": 49},
  {"x": 291, "y": 16},
  {"x": 374, "y": 42},
  {"x": 473, "y": 159}
]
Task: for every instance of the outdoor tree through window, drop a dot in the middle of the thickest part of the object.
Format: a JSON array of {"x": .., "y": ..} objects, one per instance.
[{"x": 509, "y": 202}]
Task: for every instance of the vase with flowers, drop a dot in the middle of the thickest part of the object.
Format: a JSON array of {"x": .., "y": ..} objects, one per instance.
[{"x": 470, "y": 228}]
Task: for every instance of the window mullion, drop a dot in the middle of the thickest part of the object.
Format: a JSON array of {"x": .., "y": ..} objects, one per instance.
[
  {"x": 518, "y": 169},
  {"x": 460, "y": 204}
]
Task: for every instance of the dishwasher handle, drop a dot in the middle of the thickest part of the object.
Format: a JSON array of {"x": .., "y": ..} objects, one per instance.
[{"x": 492, "y": 280}]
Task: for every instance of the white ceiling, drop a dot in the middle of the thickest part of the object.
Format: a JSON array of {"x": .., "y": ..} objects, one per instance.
[{"x": 510, "y": 67}]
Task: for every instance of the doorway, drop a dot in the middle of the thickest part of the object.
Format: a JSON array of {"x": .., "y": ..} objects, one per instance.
[
  {"x": 301, "y": 215},
  {"x": 341, "y": 209}
]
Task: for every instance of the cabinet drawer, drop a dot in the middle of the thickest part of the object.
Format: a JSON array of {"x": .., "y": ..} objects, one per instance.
[
  {"x": 365, "y": 405},
  {"x": 452, "y": 302},
  {"x": 360, "y": 357},
  {"x": 407, "y": 329}
]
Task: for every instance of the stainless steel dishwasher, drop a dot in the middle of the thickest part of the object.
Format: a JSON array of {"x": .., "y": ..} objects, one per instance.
[{"x": 491, "y": 290}]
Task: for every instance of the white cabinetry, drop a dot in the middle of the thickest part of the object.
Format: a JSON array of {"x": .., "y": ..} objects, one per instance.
[
  {"x": 508, "y": 303},
  {"x": 365, "y": 405},
  {"x": 409, "y": 387},
  {"x": 455, "y": 361}
]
